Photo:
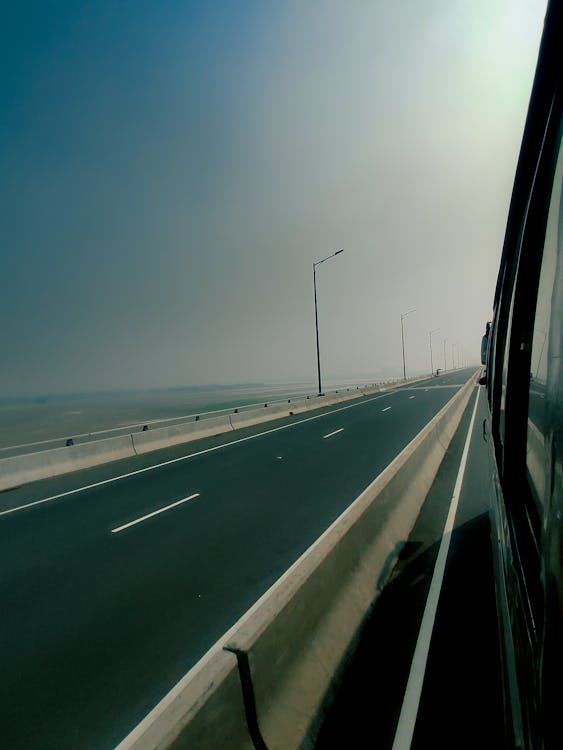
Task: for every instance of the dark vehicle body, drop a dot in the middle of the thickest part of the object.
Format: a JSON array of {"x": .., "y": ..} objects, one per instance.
[{"x": 524, "y": 382}]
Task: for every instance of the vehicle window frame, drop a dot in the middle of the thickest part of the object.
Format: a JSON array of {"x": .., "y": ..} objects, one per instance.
[
  {"x": 549, "y": 292},
  {"x": 546, "y": 84},
  {"x": 523, "y": 306}
]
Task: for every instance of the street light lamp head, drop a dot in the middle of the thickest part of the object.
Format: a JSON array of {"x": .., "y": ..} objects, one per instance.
[{"x": 328, "y": 257}]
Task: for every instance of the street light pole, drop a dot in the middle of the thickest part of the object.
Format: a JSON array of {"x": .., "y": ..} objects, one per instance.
[
  {"x": 445, "y": 362},
  {"x": 435, "y": 330},
  {"x": 403, "y": 316},
  {"x": 317, "y": 329},
  {"x": 318, "y": 263}
]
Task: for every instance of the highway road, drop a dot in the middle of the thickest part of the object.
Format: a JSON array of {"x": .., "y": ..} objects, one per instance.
[{"x": 117, "y": 579}]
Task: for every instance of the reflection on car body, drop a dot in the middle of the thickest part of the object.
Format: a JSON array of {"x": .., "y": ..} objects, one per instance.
[{"x": 522, "y": 353}]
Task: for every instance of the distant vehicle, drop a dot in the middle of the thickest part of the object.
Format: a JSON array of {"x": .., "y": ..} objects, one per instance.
[{"x": 524, "y": 380}]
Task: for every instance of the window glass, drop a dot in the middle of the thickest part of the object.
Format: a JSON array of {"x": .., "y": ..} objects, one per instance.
[{"x": 537, "y": 408}]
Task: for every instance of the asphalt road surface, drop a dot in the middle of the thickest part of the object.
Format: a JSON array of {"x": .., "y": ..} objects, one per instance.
[{"x": 116, "y": 580}]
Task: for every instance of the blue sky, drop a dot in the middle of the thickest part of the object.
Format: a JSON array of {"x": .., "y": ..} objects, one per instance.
[{"x": 170, "y": 170}]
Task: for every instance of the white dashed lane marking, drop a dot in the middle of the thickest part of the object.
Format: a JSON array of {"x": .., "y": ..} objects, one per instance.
[
  {"x": 154, "y": 513},
  {"x": 330, "y": 434}
]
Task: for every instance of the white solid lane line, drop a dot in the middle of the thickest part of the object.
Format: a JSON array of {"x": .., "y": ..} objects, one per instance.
[
  {"x": 386, "y": 408},
  {"x": 411, "y": 700},
  {"x": 154, "y": 513},
  {"x": 189, "y": 455},
  {"x": 330, "y": 434}
]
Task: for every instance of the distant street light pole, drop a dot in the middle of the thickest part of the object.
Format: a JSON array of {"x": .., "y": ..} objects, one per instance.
[
  {"x": 445, "y": 362},
  {"x": 453, "y": 356},
  {"x": 435, "y": 330},
  {"x": 403, "y": 316},
  {"x": 318, "y": 263}
]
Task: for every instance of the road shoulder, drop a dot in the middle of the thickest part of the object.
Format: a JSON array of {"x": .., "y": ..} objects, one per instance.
[{"x": 461, "y": 693}]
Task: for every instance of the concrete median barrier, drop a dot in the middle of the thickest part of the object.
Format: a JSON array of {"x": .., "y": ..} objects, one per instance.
[
  {"x": 259, "y": 415},
  {"x": 300, "y": 405},
  {"x": 164, "y": 437},
  {"x": 30, "y": 467},
  {"x": 291, "y": 644},
  {"x": 204, "y": 711},
  {"x": 297, "y": 640}
]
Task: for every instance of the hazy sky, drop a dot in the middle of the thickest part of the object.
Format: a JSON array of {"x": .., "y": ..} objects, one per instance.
[{"x": 170, "y": 170}]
